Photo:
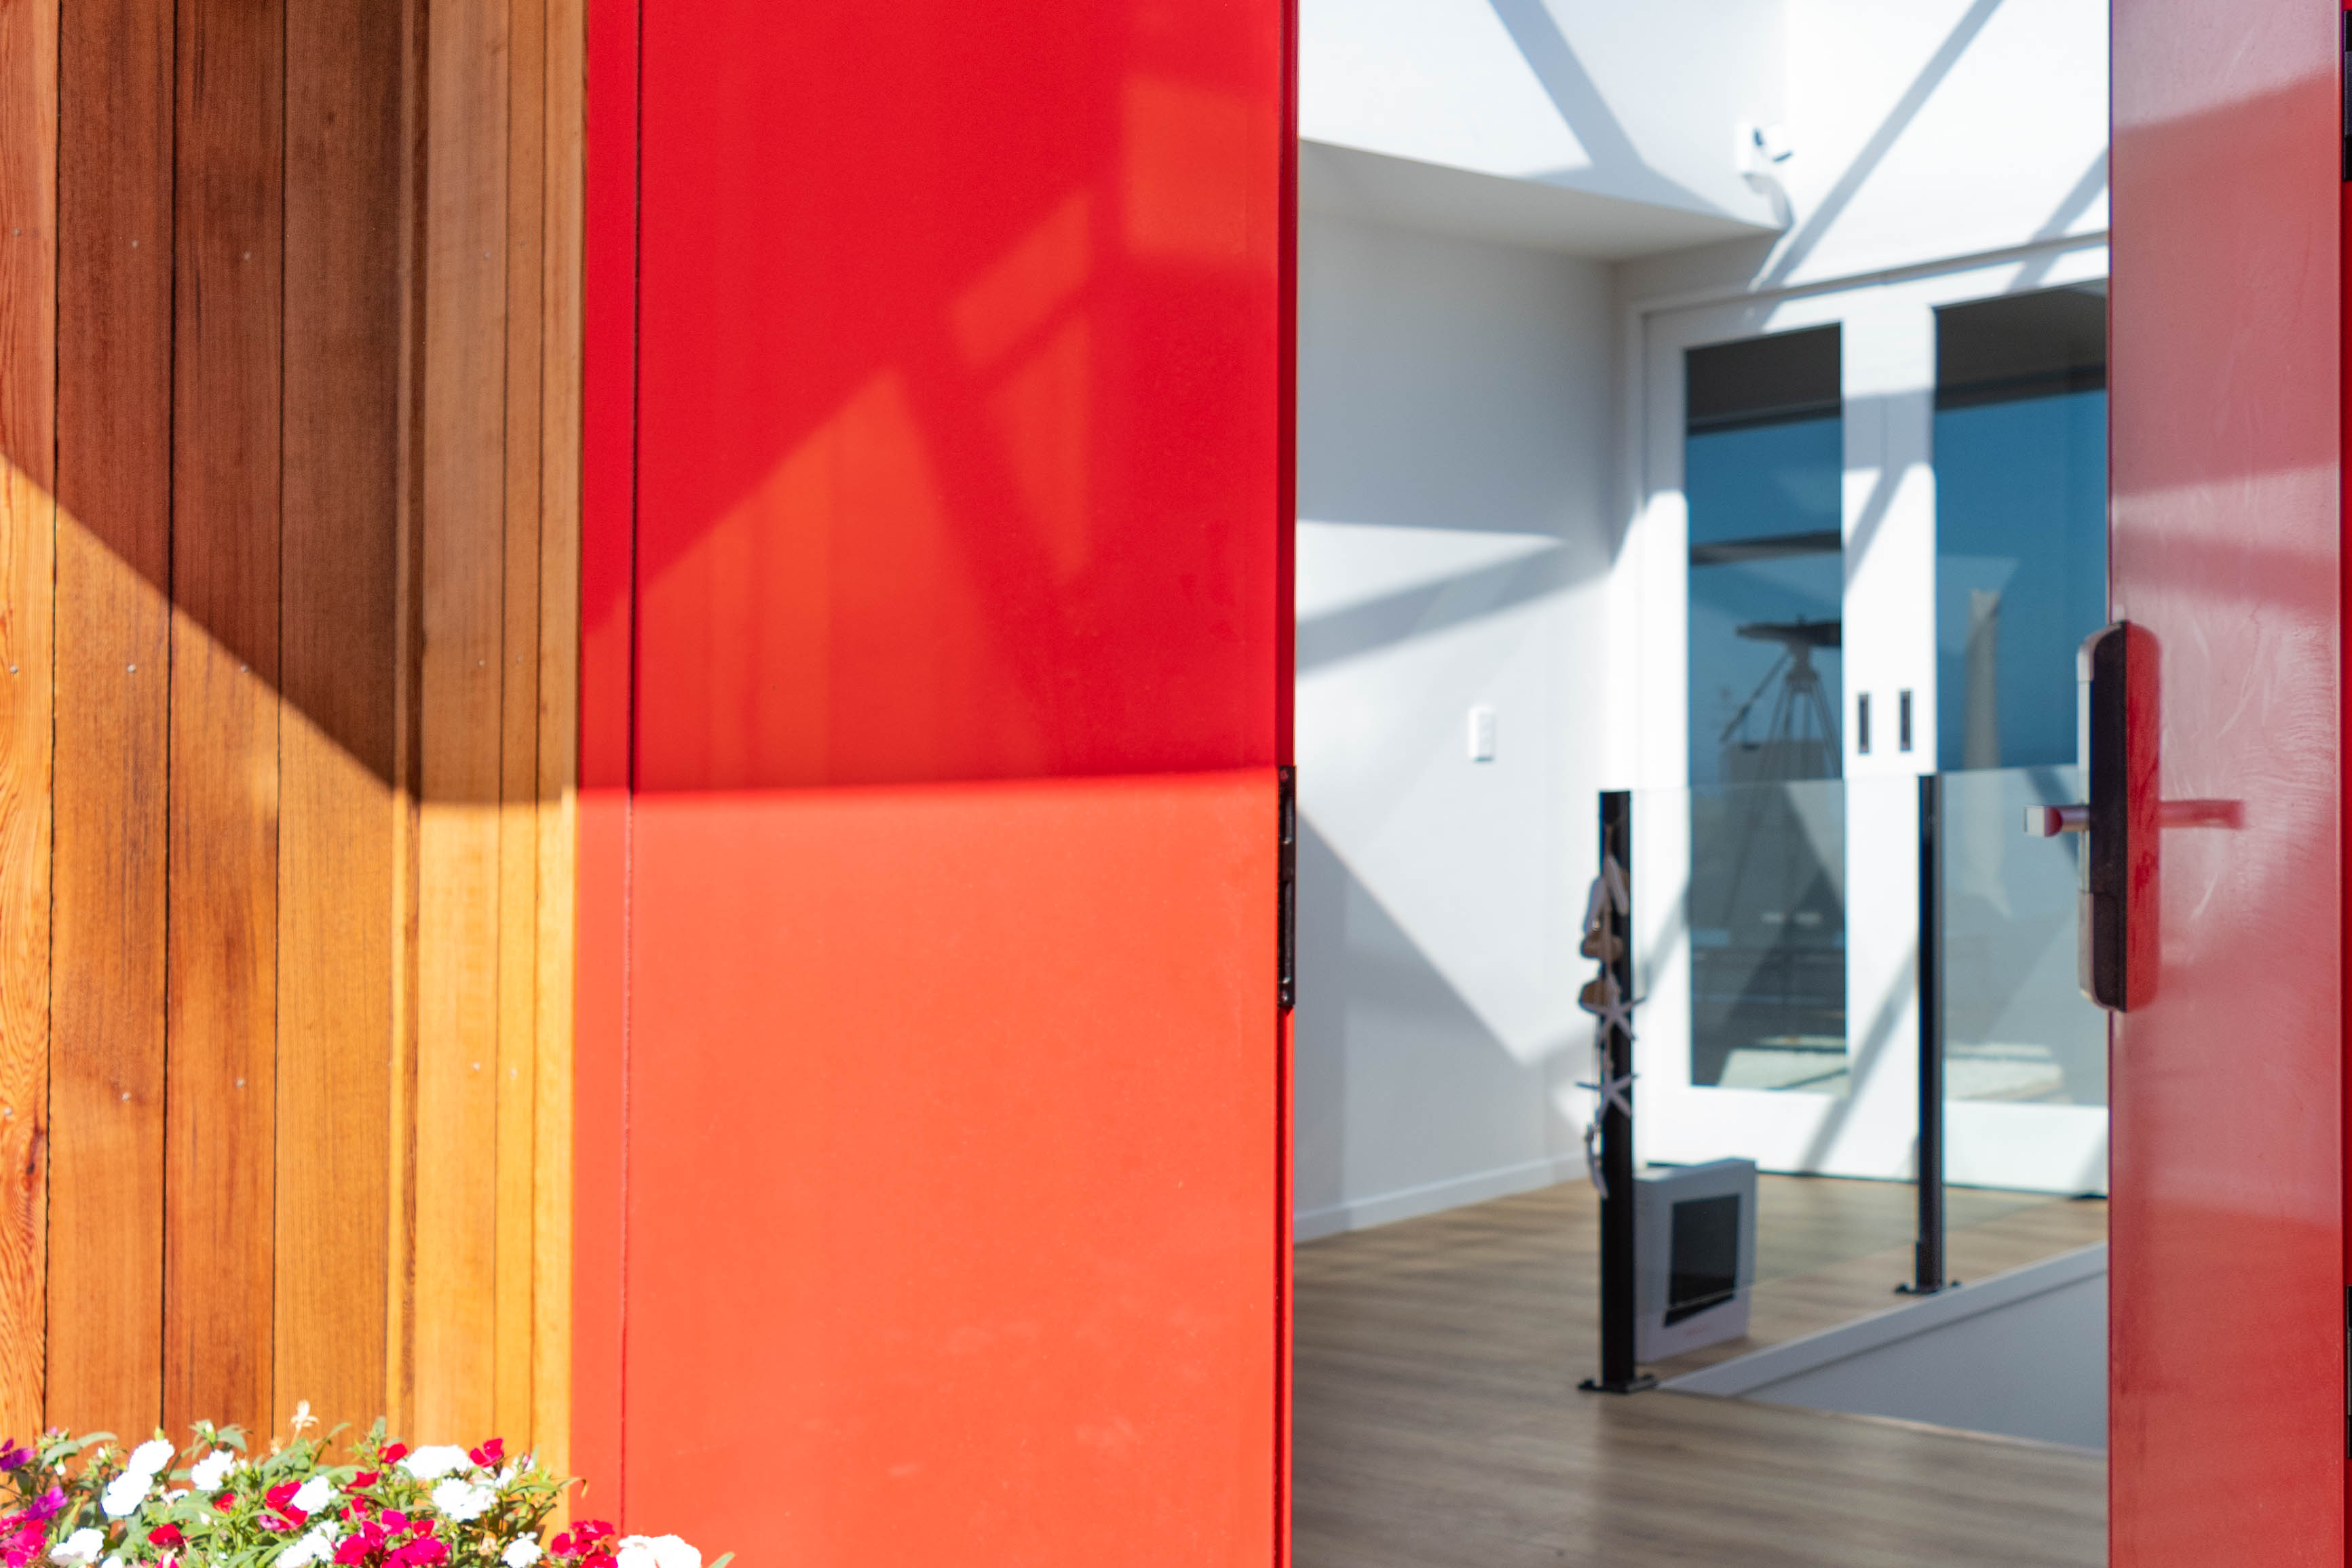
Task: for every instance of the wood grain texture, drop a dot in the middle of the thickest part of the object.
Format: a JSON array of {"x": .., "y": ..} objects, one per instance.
[
  {"x": 114, "y": 489},
  {"x": 518, "y": 722},
  {"x": 408, "y": 641},
  {"x": 558, "y": 683},
  {"x": 222, "y": 968},
  {"x": 308, "y": 662},
  {"x": 461, "y": 690},
  {"x": 1438, "y": 1421},
  {"x": 341, "y": 489},
  {"x": 28, "y": 277}
]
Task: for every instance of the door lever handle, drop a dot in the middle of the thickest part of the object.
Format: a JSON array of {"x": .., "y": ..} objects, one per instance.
[{"x": 2049, "y": 821}]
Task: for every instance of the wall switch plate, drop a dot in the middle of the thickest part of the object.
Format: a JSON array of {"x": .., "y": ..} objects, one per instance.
[{"x": 1482, "y": 735}]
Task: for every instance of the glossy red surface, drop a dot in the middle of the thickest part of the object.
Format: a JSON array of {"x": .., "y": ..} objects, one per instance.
[
  {"x": 600, "y": 1010},
  {"x": 2227, "y": 1421},
  {"x": 932, "y": 1163},
  {"x": 962, "y": 332}
]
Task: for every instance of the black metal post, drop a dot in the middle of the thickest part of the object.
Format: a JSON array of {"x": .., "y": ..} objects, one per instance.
[
  {"x": 1619, "y": 1373},
  {"x": 1928, "y": 1252}
]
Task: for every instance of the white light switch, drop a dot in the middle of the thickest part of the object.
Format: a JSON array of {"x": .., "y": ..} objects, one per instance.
[{"x": 1482, "y": 735}]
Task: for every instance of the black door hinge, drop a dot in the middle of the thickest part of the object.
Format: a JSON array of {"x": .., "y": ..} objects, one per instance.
[{"x": 1286, "y": 957}]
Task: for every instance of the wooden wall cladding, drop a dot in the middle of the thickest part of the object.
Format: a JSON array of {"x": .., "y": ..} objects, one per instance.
[{"x": 289, "y": 523}]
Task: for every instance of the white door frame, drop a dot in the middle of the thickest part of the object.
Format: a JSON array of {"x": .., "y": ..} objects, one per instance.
[{"x": 1888, "y": 347}]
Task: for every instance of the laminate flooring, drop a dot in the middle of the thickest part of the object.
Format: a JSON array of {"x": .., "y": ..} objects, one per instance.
[{"x": 1437, "y": 1421}]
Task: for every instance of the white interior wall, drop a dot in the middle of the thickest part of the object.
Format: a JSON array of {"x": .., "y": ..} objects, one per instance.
[
  {"x": 1917, "y": 134},
  {"x": 1455, "y": 410}
]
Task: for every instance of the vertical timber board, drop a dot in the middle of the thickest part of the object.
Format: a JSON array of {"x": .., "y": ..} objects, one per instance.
[
  {"x": 463, "y": 551},
  {"x": 344, "y": 169},
  {"x": 519, "y": 760},
  {"x": 114, "y": 492},
  {"x": 400, "y": 1244},
  {"x": 559, "y": 674},
  {"x": 28, "y": 145},
  {"x": 222, "y": 967}
]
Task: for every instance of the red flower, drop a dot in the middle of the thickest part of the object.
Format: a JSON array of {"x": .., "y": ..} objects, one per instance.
[
  {"x": 225, "y": 1501},
  {"x": 581, "y": 1538},
  {"x": 396, "y": 1453},
  {"x": 366, "y": 1478},
  {"x": 165, "y": 1535},
  {"x": 362, "y": 1546},
  {"x": 490, "y": 1455},
  {"x": 280, "y": 1498}
]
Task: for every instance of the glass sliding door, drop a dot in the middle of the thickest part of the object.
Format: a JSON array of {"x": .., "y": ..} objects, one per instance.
[
  {"x": 2021, "y": 428},
  {"x": 1762, "y": 459},
  {"x": 1870, "y": 536},
  {"x": 2021, "y": 439}
]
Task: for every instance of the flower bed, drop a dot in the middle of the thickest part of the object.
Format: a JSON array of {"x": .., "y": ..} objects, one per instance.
[{"x": 85, "y": 1503}]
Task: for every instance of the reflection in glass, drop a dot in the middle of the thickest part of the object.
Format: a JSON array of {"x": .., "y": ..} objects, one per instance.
[
  {"x": 1768, "y": 936},
  {"x": 1763, "y": 459},
  {"x": 2020, "y": 521},
  {"x": 2015, "y": 1027}
]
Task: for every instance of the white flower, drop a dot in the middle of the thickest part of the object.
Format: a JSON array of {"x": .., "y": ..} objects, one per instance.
[
  {"x": 505, "y": 1478},
  {"x": 212, "y": 1470},
  {"x": 124, "y": 1493},
  {"x": 152, "y": 1458},
  {"x": 432, "y": 1464},
  {"x": 521, "y": 1553},
  {"x": 313, "y": 1492},
  {"x": 460, "y": 1502},
  {"x": 318, "y": 1546},
  {"x": 81, "y": 1551},
  {"x": 657, "y": 1551}
]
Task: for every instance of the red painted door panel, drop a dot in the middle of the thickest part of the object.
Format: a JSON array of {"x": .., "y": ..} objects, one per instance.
[
  {"x": 2228, "y": 1420},
  {"x": 953, "y": 1194},
  {"x": 936, "y": 594}
]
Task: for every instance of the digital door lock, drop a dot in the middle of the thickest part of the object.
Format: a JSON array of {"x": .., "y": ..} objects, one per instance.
[{"x": 2116, "y": 709}]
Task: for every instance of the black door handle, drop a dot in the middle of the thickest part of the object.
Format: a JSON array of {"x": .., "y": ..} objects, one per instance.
[{"x": 2115, "y": 928}]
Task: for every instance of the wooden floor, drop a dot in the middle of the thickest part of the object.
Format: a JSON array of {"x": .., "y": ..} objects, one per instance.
[{"x": 1438, "y": 1422}]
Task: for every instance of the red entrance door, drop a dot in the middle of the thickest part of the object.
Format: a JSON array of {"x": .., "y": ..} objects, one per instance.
[
  {"x": 2228, "y": 1420},
  {"x": 931, "y": 1163}
]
